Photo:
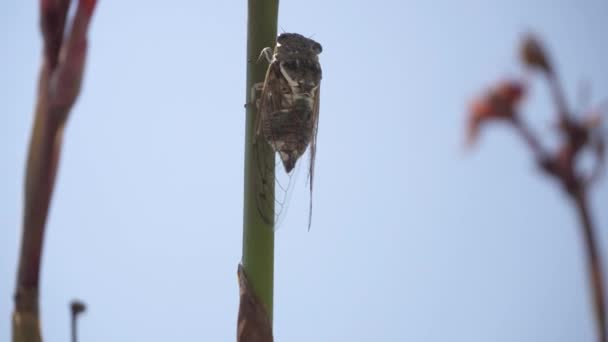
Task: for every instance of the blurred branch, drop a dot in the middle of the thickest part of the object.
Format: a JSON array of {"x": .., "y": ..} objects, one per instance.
[
  {"x": 58, "y": 87},
  {"x": 596, "y": 276},
  {"x": 76, "y": 308},
  {"x": 578, "y": 133}
]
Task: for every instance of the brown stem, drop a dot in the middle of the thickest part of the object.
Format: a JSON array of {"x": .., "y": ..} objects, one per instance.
[
  {"x": 74, "y": 336},
  {"x": 77, "y": 307},
  {"x": 593, "y": 262},
  {"x": 41, "y": 168},
  {"x": 58, "y": 88},
  {"x": 529, "y": 138}
]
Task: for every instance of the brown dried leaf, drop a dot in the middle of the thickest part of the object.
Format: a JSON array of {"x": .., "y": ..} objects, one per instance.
[
  {"x": 498, "y": 103},
  {"x": 253, "y": 322}
]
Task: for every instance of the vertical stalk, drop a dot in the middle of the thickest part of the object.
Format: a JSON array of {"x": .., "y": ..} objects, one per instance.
[
  {"x": 73, "y": 329},
  {"x": 258, "y": 235},
  {"x": 58, "y": 88},
  {"x": 76, "y": 308},
  {"x": 41, "y": 167}
]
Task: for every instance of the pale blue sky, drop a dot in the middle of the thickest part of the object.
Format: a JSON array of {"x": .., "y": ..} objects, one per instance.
[{"x": 413, "y": 238}]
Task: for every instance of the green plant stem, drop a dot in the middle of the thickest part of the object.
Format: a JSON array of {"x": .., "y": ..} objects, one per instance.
[{"x": 258, "y": 235}]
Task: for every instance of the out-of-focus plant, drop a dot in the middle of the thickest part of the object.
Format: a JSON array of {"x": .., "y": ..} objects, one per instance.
[
  {"x": 578, "y": 132},
  {"x": 76, "y": 308},
  {"x": 64, "y": 56}
]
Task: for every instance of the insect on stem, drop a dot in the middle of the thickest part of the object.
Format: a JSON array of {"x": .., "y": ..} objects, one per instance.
[{"x": 288, "y": 108}]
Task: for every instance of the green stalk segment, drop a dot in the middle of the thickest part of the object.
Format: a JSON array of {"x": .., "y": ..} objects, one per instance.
[{"x": 258, "y": 234}]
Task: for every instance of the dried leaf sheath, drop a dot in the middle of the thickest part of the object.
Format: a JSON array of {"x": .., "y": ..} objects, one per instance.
[{"x": 253, "y": 324}]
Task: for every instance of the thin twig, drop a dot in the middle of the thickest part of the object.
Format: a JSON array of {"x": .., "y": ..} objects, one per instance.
[
  {"x": 594, "y": 263},
  {"x": 76, "y": 308},
  {"x": 529, "y": 138}
]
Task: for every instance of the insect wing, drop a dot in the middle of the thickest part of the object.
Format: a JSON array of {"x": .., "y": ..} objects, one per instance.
[
  {"x": 269, "y": 101},
  {"x": 274, "y": 186},
  {"x": 313, "y": 148}
]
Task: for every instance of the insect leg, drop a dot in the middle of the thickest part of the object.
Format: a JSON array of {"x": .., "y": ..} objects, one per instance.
[
  {"x": 253, "y": 94},
  {"x": 267, "y": 53},
  {"x": 256, "y": 89}
]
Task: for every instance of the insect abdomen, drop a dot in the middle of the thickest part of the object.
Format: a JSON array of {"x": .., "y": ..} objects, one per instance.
[{"x": 289, "y": 131}]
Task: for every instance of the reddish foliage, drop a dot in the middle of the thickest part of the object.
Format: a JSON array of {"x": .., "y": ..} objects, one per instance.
[
  {"x": 577, "y": 133},
  {"x": 499, "y": 103}
]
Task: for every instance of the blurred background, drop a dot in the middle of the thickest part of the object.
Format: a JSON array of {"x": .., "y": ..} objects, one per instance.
[{"x": 414, "y": 237}]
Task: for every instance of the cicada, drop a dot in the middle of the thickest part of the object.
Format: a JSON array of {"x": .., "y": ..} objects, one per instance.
[{"x": 288, "y": 108}]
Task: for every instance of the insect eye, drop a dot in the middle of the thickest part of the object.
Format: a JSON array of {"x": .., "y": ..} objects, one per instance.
[
  {"x": 281, "y": 38},
  {"x": 317, "y": 48}
]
